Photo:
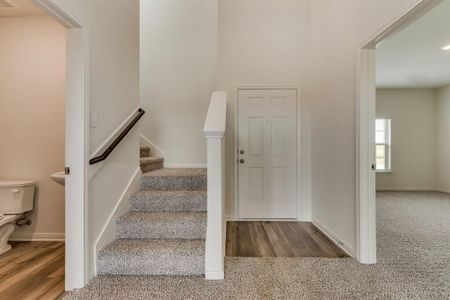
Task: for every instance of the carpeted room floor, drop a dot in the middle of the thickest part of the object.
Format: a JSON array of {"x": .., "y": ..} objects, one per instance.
[{"x": 414, "y": 263}]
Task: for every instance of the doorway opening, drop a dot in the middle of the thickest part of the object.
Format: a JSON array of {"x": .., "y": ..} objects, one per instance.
[
  {"x": 379, "y": 125},
  {"x": 32, "y": 120},
  {"x": 44, "y": 102}
]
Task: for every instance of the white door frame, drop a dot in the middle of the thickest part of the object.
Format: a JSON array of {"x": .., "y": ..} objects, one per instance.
[
  {"x": 366, "y": 112},
  {"x": 77, "y": 137},
  {"x": 300, "y": 204}
]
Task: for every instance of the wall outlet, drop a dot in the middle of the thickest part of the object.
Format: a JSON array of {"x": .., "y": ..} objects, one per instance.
[{"x": 93, "y": 119}]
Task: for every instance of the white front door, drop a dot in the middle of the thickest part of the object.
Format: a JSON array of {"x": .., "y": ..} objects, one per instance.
[{"x": 267, "y": 159}]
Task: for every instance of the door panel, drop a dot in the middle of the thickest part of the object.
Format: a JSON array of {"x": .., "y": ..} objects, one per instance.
[
  {"x": 256, "y": 136},
  {"x": 267, "y": 141}
]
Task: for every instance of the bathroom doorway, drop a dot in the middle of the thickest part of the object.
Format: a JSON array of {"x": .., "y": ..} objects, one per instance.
[{"x": 33, "y": 60}]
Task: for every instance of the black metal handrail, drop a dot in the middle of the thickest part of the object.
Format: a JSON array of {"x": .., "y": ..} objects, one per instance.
[{"x": 117, "y": 141}]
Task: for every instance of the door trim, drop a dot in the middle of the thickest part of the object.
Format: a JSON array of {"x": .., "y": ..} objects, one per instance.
[
  {"x": 300, "y": 200},
  {"x": 365, "y": 136},
  {"x": 76, "y": 141}
]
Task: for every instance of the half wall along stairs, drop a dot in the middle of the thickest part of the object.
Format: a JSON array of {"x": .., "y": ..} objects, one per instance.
[{"x": 165, "y": 229}]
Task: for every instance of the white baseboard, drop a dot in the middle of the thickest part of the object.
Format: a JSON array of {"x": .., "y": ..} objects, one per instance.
[
  {"x": 413, "y": 190},
  {"x": 184, "y": 165},
  {"x": 443, "y": 191},
  {"x": 230, "y": 217},
  {"x": 107, "y": 234},
  {"x": 343, "y": 245},
  {"x": 91, "y": 274},
  {"x": 214, "y": 275},
  {"x": 37, "y": 237},
  {"x": 407, "y": 190},
  {"x": 155, "y": 150},
  {"x": 304, "y": 218},
  {"x": 233, "y": 219}
]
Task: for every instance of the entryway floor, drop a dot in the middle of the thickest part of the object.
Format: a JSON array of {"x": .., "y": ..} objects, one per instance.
[
  {"x": 413, "y": 238},
  {"x": 278, "y": 239},
  {"x": 32, "y": 270}
]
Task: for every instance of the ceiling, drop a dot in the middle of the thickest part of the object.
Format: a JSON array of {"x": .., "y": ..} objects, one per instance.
[
  {"x": 21, "y": 8},
  {"x": 413, "y": 58}
]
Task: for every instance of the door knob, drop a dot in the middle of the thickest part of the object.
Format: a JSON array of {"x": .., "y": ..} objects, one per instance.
[
  {"x": 242, "y": 152},
  {"x": 242, "y": 161}
]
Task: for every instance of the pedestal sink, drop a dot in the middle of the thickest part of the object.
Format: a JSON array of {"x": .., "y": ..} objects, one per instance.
[{"x": 59, "y": 177}]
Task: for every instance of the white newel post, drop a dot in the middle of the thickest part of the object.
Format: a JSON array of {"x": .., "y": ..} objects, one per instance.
[{"x": 215, "y": 234}]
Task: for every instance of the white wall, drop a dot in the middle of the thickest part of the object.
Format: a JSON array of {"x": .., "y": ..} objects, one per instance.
[
  {"x": 114, "y": 93},
  {"x": 311, "y": 44},
  {"x": 420, "y": 143},
  {"x": 264, "y": 43},
  {"x": 413, "y": 125},
  {"x": 178, "y": 74},
  {"x": 314, "y": 45},
  {"x": 443, "y": 138},
  {"x": 190, "y": 49},
  {"x": 338, "y": 29},
  {"x": 32, "y": 81}
]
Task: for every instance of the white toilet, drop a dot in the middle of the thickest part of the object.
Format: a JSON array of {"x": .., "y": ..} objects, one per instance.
[{"x": 16, "y": 198}]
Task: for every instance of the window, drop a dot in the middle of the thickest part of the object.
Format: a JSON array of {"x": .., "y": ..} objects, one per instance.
[{"x": 383, "y": 144}]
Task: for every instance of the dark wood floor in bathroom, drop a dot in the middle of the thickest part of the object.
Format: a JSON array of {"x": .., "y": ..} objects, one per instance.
[
  {"x": 32, "y": 270},
  {"x": 278, "y": 239}
]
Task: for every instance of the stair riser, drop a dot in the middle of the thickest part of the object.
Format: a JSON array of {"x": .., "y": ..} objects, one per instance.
[
  {"x": 144, "y": 152},
  {"x": 171, "y": 205},
  {"x": 145, "y": 168},
  {"x": 172, "y": 183},
  {"x": 161, "y": 265},
  {"x": 188, "y": 231}
]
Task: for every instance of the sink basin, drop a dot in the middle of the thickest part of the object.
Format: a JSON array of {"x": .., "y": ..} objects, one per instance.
[{"x": 59, "y": 177}]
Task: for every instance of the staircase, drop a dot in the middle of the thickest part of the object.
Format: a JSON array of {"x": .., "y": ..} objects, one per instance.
[{"x": 164, "y": 231}]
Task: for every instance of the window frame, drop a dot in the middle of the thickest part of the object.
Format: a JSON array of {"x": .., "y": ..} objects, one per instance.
[{"x": 387, "y": 145}]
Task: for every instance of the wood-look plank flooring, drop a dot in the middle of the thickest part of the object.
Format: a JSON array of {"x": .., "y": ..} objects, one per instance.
[
  {"x": 32, "y": 270},
  {"x": 278, "y": 239}
]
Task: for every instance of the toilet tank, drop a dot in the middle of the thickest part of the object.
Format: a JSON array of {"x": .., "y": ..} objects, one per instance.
[{"x": 16, "y": 197}]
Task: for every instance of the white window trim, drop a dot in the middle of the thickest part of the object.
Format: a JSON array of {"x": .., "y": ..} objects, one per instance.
[{"x": 387, "y": 145}]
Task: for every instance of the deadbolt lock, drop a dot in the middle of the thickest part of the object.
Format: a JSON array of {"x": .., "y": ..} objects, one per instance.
[{"x": 242, "y": 152}]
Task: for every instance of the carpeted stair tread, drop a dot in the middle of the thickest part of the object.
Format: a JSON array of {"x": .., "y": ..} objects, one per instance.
[
  {"x": 178, "y": 172},
  {"x": 149, "y": 164},
  {"x": 151, "y": 160},
  {"x": 144, "y": 151},
  {"x": 152, "y": 257},
  {"x": 162, "y": 225},
  {"x": 195, "y": 201},
  {"x": 174, "y": 179}
]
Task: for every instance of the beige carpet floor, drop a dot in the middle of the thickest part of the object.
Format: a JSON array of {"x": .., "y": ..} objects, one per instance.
[{"x": 414, "y": 263}]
